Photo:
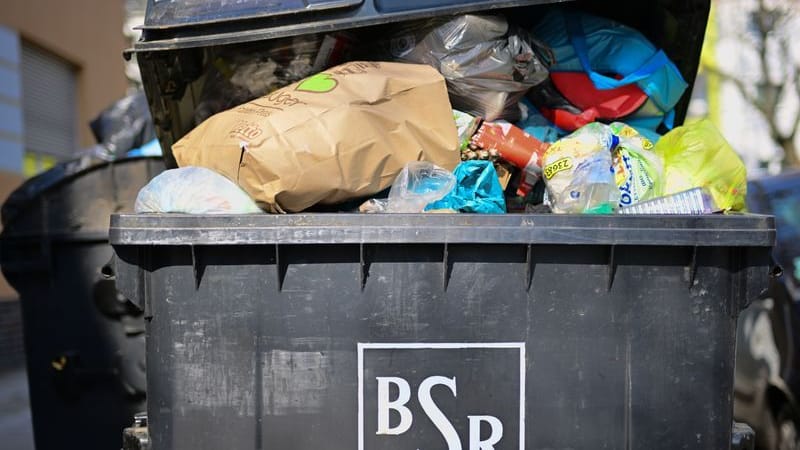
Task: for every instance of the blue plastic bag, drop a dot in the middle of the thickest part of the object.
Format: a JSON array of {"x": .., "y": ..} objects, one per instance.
[
  {"x": 477, "y": 190},
  {"x": 599, "y": 46},
  {"x": 537, "y": 125}
]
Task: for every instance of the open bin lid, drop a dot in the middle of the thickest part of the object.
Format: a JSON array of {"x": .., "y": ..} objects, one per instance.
[
  {"x": 172, "y": 14},
  {"x": 175, "y": 24}
]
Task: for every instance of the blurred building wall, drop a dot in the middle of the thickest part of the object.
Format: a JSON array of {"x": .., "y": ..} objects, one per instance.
[
  {"x": 8, "y": 182},
  {"x": 50, "y": 38},
  {"x": 12, "y": 352},
  {"x": 85, "y": 33}
]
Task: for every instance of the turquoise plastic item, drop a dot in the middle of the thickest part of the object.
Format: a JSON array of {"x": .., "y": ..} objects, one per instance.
[
  {"x": 152, "y": 148},
  {"x": 477, "y": 190},
  {"x": 538, "y": 126},
  {"x": 602, "y": 47}
]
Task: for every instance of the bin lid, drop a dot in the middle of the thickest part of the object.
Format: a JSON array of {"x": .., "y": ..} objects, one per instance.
[
  {"x": 75, "y": 197},
  {"x": 176, "y": 24},
  {"x": 169, "y": 14},
  {"x": 742, "y": 230}
]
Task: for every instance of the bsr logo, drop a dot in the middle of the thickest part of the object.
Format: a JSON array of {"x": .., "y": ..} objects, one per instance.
[{"x": 429, "y": 407}]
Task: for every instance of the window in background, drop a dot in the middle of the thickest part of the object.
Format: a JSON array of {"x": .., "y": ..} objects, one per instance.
[{"x": 49, "y": 99}]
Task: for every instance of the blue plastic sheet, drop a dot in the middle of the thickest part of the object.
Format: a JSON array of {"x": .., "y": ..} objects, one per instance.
[{"x": 477, "y": 190}]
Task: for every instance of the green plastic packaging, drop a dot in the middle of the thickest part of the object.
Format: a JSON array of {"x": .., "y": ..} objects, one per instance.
[
  {"x": 697, "y": 155},
  {"x": 638, "y": 171}
]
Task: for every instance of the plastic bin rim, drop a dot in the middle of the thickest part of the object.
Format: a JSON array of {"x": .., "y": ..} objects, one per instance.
[
  {"x": 735, "y": 230},
  {"x": 174, "y": 37}
]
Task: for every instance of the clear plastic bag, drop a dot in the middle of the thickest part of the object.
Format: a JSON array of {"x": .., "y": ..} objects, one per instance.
[
  {"x": 419, "y": 184},
  {"x": 578, "y": 172},
  {"x": 193, "y": 190},
  {"x": 697, "y": 155},
  {"x": 488, "y": 65},
  {"x": 477, "y": 190}
]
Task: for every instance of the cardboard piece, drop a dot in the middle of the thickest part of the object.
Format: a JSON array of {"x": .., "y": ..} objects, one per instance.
[
  {"x": 504, "y": 173},
  {"x": 338, "y": 135}
]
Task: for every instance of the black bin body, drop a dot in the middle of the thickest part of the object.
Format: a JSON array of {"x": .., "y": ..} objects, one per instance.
[
  {"x": 301, "y": 332},
  {"x": 84, "y": 343}
]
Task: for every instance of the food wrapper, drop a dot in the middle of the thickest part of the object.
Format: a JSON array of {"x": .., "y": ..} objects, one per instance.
[
  {"x": 637, "y": 169},
  {"x": 578, "y": 171}
]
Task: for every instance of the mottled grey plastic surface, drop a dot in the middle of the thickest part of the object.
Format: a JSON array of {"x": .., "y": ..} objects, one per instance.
[{"x": 571, "y": 331}]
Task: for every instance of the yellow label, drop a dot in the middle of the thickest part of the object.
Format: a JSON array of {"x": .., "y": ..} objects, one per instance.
[
  {"x": 627, "y": 132},
  {"x": 562, "y": 164}
]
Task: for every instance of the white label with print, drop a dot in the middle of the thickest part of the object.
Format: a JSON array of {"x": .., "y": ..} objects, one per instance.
[{"x": 455, "y": 396}]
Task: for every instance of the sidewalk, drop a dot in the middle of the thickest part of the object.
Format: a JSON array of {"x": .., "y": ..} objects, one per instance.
[{"x": 15, "y": 414}]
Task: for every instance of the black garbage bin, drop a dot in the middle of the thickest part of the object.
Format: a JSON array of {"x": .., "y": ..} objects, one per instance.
[
  {"x": 84, "y": 343},
  {"x": 368, "y": 332},
  {"x": 345, "y": 331}
]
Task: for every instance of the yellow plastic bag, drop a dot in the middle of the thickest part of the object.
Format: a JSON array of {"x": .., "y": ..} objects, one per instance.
[{"x": 697, "y": 155}]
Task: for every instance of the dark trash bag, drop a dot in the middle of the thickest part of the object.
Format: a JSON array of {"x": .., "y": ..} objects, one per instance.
[{"x": 124, "y": 125}]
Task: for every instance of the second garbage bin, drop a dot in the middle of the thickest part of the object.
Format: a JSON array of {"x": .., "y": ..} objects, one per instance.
[{"x": 84, "y": 343}]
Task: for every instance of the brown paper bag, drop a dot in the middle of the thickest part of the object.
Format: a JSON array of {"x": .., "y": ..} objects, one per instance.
[{"x": 338, "y": 135}]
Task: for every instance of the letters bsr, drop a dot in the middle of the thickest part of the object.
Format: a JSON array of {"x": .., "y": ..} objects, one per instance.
[{"x": 445, "y": 427}]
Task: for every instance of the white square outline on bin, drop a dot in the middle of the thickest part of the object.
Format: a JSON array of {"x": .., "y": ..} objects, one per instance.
[{"x": 438, "y": 346}]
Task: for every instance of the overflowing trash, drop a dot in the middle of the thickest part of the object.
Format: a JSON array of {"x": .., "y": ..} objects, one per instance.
[
  {"x": 488, "y": 64},
  {"x": 193, "y": 190},
  {"x": 419, "y": 184},
  {"x": 335, "y": 136},
  {"x": 125, "y": 127},
  {"x": 696, "y": 155},
  {"x": 578, "y": 171},
  {"x": 234, "y": 78},
  {"x": 468, "y": 114},
  {"x": 638, "y": 171},
  {"x": 696, "y": 201},
  {"x": 477, "y": 190},
  {"x": 605, "y": 70}
]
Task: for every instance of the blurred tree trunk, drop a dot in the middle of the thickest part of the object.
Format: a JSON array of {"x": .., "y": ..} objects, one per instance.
[
  {"x": 769, "y": 36},
  {"x": 790, "y": 158}
]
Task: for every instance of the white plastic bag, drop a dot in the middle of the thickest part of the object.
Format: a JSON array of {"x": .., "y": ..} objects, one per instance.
[
  {"x": 193, "y": 190},
  {"x": 419, "y": 184}
]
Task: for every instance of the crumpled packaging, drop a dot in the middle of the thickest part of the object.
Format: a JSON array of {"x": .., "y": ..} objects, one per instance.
[
  {"x": 488, "y": 64},
  {"x": 697, "y": 155},
  {"x": 338, "y": 135}
]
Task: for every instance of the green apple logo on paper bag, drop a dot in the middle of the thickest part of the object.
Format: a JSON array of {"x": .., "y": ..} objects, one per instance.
[{"x": 319, "y": 83}]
